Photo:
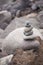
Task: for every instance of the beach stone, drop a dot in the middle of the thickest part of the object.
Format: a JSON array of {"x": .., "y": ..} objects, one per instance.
[
  {"x": 16, "y": 40},
  {"x": 40, "y": 18},
  {"x": 28, "y": 29},
  {"x": 3, "y": 25},
  {"x": 5, "y": 1},
  {"x": 28, "y": 33},
  {"x": 5, "y": 18},
  {"x": 15, "y": 23},
  {"x": 34, "y": 6},
  {"x": 23, "y": 57},
  {"x": 6, "y": 60}
]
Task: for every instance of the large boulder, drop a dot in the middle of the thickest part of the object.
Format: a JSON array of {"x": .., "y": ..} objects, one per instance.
[{"x": 16, "y": 40}]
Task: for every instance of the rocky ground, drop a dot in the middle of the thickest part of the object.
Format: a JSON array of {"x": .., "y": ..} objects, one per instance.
[{"x": 15, "y": 18}]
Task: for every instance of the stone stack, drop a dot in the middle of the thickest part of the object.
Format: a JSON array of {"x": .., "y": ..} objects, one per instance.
[{"x": 28, "y": 31}]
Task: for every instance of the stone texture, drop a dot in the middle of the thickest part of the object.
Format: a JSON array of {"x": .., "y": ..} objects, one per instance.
[
  {"x": 5, "y": 1},
  {"x": 16, "y": 40},
  {"x": 6, "y": 60},
  {"x": 40, "y": 19},
  {"x": 23, "y": 57},
  {"x": 5, "y": 18}
]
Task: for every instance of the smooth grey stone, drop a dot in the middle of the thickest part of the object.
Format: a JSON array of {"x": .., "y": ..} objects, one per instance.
[
  {"x": 5, "y": 1},
  {"x": 28, "y": 33},
  {"x": 6, "y": 60},
  {"x": 15, "y": 23},
  {"x": 34, "y": 6},
  {"x": 5, "y": 18},
  {"x": 16, "y": 40},
  {"x": 3, "y": 25},
  {"x": 40, "y": 19},
  {"x": 28, "y": 29},
  {"x": 27, "y": 24}
]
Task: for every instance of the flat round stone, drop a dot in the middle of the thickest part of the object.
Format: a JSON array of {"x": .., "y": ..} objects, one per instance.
[
  {"x": 28, "y": 29},
  {"x": 28, "y": 33}
]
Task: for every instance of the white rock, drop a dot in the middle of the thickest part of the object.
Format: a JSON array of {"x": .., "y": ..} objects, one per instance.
[
  {"x": 5, "y": 60},
  {"x": 16, "y": 40}
]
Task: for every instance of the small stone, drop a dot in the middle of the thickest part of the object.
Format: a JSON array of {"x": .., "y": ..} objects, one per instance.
[
  {"x": 5, "y": 18},
  {"x": 6, "y": 60},
  {"x": 28, "y": 33},
  {"x": 40, "y": 18},
  {"x": 27, "y": 29}
]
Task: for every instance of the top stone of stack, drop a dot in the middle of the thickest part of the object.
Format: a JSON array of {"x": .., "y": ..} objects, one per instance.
[{"x": 28, "y": 30}]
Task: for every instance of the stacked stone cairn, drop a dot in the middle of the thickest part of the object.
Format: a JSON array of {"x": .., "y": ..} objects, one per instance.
[{"x": 28, "y": 31}]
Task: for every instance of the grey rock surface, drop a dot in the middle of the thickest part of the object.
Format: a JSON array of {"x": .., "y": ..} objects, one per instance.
[
  {"x": 16, "y": 40},
  {"x": 40, "y": 19},
  {"x": 5, "y": 1},
  {"x": 5, "y": 18},
  {"x": 6, "y": 60}
]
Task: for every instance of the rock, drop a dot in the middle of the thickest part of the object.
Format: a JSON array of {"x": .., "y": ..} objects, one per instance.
[
  {"x": 6, "y": 60},
  {"x": 3, "y": 25},
  {"x": 5, "y": 18},
  {"x": 1, "y": 40},
  {"x": 23, "y": 57},
  {"x": 40, "y": 18},
  {"x": 5, "y": 1},
  {"x": 28, "y": 29},
  {"x": 16, "y": 40},
  {"x": 1, "y": 31},
  {"x": 18, "y": 8},
  {"x": 28, "y": 33},
  {"x": 34, "y": 6}
]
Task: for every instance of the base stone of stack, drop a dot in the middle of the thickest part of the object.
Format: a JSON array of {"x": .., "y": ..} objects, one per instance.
[{"x": 16, "y": 40}]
